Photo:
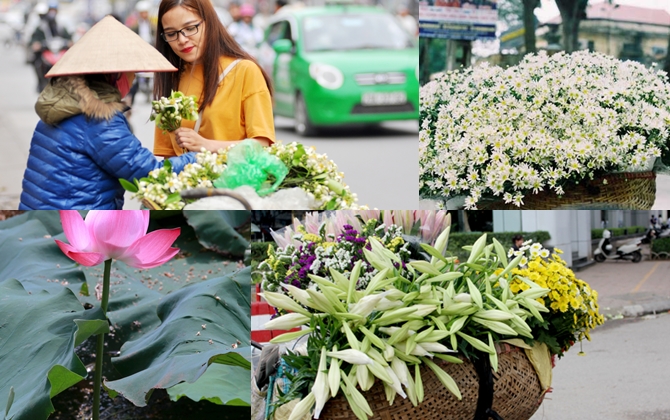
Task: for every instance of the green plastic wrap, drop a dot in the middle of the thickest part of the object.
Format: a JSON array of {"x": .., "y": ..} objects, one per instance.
[{"x": 250, "y": 164}]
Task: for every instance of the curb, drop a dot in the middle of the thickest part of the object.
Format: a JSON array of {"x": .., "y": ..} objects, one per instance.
[{"x": 632, "y": 311}]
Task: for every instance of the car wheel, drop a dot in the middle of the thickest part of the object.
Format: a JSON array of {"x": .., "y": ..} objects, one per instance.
[
  {"x": 599, "y": 258},
  {"x": 637, "y": 256},
  {"x": 303, "y": 126}
]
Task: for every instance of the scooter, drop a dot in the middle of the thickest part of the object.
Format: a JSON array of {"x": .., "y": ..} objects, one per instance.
[{"x": 628, "y": 251}]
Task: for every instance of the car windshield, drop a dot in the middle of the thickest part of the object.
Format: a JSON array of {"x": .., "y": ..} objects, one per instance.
[{"x": 354, "y": 32}]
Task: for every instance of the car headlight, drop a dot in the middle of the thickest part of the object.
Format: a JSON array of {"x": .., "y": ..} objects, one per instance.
[{"x": 326, "y": 75}]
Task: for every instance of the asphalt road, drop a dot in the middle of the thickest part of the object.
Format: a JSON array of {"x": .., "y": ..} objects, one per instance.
[
  {"x": 380, "y": 165},
  {"x": 623, "y": 376}
]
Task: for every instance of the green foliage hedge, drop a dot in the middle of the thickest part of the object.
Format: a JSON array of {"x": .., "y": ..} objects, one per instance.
[
  {"x": 259, "y": 252},
  {"x": 631, "y": 230},
  {"x": 660, "y": 245}
]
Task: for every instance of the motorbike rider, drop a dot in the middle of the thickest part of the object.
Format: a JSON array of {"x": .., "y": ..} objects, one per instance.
[{"x": 46, "y": 30}]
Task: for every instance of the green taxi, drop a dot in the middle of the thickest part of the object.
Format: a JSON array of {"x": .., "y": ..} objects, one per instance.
[{"x": 341, "y": 64}]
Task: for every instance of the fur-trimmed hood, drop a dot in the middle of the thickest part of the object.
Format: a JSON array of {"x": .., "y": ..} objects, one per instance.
[{"x": 65, "y": 97}]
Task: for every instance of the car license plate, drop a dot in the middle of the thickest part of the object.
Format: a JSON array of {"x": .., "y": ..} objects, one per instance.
[{"x": 383, "y": 98}]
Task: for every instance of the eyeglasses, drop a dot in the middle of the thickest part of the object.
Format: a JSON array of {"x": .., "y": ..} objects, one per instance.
[{"x": 187, "y": 32}]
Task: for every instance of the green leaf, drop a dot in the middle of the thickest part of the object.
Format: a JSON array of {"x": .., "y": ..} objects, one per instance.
[
  {"x": 179, "y": 349},
  {"x": 38, "y": 332},
  {"x": 433, "y": 252},
  {"x": 220, "y": 384},
  {"x": 84, "y": 289},
  {"x": 216, "y": 230},
  {"x": 300, "y": 152},
  {"x": 28, "y": 253},
  {"x": 173, "y": 198},
  {"x": 128, "y": 186},
  {"x": 231, "y": 359}
]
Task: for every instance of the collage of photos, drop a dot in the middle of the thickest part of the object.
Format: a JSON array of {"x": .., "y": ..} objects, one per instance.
[{"x": 334, "y": 209}]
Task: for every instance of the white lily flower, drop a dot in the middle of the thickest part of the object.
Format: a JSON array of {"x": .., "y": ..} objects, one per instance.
[{"x": 355, "y": 357}]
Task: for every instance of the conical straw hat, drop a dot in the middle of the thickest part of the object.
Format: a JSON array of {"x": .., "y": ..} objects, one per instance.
[{"x": 110, "y": 47}]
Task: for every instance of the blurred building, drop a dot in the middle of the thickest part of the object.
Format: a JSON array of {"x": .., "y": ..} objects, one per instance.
[{"x": 627, "y": 32}]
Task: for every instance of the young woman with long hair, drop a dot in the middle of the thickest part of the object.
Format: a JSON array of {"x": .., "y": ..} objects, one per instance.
[{"x": 235, "y": 94}]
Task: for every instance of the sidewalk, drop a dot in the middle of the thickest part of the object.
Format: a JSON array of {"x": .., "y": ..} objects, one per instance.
[{"x": 630, "y": 289}]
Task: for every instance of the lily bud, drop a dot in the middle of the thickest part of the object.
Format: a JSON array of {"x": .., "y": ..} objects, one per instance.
[
  {"x": 281, "y": 301},
  {"x": 395, "y": 381},
  {"x": 299, "y": 294},
  {"x": 400, "y": 369},
  {"x": 355, "y": 357},
  {"x": 321, "y": 387},
  {"x": 385, "y": 305},
  {"x": 366, "y": 305},
  {"x": 303, "y": 407},
  {"x": 389, "y": 352},
  {"x": 334, "y": 376},
  {"x": 463, "y": 298},
  {"x": 436, "y": 348},
  {"x": 287, "y": 322}
]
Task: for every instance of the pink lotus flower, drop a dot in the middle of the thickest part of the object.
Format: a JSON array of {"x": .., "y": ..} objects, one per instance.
[{"x": 116, "y": 234}]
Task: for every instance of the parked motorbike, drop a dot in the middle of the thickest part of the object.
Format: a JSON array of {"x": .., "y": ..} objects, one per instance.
[
  {"x": 630, "y": 250},
  {"x": 51, "y": 52}
]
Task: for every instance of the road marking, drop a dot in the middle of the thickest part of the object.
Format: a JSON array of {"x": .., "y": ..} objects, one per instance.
[{"x": 645, "y": 278}]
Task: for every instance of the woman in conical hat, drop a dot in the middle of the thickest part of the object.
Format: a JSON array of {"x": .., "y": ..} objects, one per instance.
[
  {"x": 234, "y": 92},
  {"x": 82, "y": 144}
]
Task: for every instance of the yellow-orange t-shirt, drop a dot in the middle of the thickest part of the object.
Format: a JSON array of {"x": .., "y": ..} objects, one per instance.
[{"x": 242, "y": 107}]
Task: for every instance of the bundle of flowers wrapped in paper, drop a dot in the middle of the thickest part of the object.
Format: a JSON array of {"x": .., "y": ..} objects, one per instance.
[
  {"x": 168, "y": 113},
  {"x": 404, "y": 317},
  {"x": 550, "y": 122},
  {"x": 573, "y": 305},
  {"x": 314, "y": 174}
]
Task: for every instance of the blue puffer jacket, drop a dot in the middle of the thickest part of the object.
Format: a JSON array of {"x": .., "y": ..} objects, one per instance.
[{"x": 81, "y": 148}]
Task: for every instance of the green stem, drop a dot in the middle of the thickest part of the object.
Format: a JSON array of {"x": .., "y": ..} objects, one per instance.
[{"x": 100, "y": 348}]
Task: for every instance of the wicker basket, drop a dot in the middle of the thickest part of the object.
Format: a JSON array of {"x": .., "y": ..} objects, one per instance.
[
  {"x": 517, "y": 393},
  {"x": 630, "y": 191}
]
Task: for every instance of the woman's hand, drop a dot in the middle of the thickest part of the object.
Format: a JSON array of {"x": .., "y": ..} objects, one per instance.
[
  {"x": 193, "y": 142},
  {"x": 188, "y": 139}
]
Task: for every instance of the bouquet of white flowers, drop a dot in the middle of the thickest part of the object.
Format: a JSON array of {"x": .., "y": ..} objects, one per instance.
[
  {"x": 545, "y": 124},
  {"x": 169, "y": 112},
  {"x": 312, "y": 172}
]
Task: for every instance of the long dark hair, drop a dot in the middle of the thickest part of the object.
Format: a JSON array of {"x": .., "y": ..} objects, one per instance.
[{"x": 218, "y": 42}]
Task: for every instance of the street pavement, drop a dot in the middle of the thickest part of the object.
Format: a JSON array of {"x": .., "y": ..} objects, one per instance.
[
  {"x": 381, "y": 165},
  {"x": 623, "y": 375},
  {"x": 630, "y": 289}
]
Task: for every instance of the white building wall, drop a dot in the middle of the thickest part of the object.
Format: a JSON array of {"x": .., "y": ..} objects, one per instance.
[{"x": 507, "y": 221}]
